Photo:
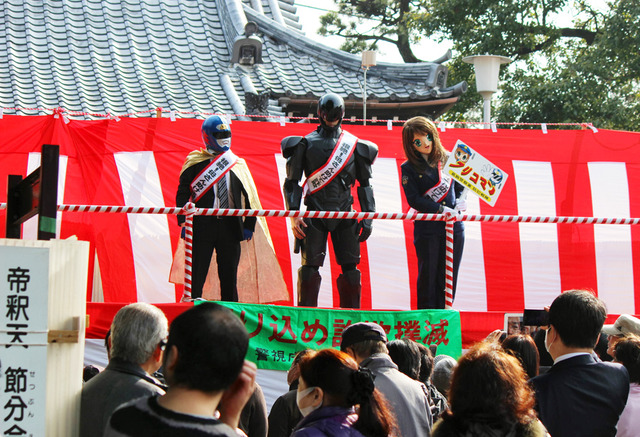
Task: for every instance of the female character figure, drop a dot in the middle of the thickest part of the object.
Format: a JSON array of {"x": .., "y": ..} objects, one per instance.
[{"x": 429, "y": 190}]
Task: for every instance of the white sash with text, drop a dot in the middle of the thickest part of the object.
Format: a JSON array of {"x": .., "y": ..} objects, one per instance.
[
  {"x": 439, "y": 190},
  {"x": 341, "y": 153},
  {"x": 212, "y": 174}
]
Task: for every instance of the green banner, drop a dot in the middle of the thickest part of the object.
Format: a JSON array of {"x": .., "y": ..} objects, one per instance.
[{"x": 277, "y": 333}]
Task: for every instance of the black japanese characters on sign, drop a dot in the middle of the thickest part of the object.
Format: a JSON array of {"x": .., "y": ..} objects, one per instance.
[
  {"x": 15, "y": 409},
  {"x": 17, "y": 306}
]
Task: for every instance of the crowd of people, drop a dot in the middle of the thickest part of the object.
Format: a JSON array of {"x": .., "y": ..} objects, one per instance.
[{"x": 370, "y": 387}]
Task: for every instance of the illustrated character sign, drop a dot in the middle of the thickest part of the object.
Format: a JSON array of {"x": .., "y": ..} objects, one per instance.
[
  {"x": 462, "y": 153},
  {"x": 475, "y": 173}
]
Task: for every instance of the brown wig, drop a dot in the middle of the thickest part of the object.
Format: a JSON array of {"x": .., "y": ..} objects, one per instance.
[
  {"x": 345, "y": 385},
  {"x": 422, "y": 126},
  {"x": 525, "y": 350},
  {"x": 489, "y": 386}
]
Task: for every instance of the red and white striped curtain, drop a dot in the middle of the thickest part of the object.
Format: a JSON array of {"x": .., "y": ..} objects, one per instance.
[{"x": 505, "y": 266}]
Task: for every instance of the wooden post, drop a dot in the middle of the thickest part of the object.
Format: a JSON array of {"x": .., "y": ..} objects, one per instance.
[
  {"x": 35, "y": 194},
  {"x": 48, "y": 201},
  {"x": 13, "y": 229},
  {"x": 42, "y": 336}
]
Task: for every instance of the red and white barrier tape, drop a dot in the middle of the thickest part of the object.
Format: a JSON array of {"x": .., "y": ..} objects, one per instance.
[
  {"x": 448, "y": 288},
  {"x": 345, "y": 215},
  {"x": 188, "y": 256},
  {"x": 172, "y": 113},
  {"x": 189, "y": 210}
]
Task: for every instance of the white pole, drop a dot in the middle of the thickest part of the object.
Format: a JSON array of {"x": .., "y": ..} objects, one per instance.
[
  {"x": 487, "y": 111},
  {"x": 364, "y": 97}
]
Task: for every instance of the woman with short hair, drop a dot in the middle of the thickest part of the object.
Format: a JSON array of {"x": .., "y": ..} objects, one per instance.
[
  {"x": 627, "y": 352},
  {"x": 489, "y": 396}
]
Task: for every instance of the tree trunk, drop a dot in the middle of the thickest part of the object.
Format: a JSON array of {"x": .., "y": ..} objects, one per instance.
[{"x": 404, "y": 47}]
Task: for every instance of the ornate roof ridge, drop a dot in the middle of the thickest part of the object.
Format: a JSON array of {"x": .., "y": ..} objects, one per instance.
[{"x": 314, "y": 48}]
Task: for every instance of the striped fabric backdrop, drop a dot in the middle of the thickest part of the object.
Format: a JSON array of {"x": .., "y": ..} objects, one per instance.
[{"x": 505, "y": 266}]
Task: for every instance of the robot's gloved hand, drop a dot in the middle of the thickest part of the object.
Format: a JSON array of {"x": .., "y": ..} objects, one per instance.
[
  {"x": 364, "y": 229},
  {"x": 183, "y": 232},
  {"x": 248, "y": 234},
  {"x": 297, "y": 227}
]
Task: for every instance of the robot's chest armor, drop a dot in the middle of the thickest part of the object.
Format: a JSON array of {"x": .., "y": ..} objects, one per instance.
[{"x": 319, "y": 152}]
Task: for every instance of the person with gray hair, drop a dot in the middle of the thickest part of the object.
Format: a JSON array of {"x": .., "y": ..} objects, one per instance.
[{"x": 137, "y": 340}]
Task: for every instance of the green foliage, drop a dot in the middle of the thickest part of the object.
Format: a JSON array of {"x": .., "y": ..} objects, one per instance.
[
  {"x": 507, "y": 28},
  {"x": 586, "y": 70},
  {"x": 365, "y": 23}
]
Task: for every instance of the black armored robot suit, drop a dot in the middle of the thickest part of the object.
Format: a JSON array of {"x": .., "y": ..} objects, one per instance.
[{"x": 317, "y": 153}]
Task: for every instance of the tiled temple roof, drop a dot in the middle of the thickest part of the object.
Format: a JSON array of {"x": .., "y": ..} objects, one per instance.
[{"x": 131, "y": 56}]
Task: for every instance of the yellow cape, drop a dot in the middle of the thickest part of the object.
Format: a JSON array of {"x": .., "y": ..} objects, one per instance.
[{"x": 260, "y": 278}]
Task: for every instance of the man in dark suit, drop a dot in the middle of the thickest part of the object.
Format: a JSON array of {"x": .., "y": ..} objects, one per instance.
[
  {"x": 579, "y": 395},
  {"x": 212, "y": 178}
]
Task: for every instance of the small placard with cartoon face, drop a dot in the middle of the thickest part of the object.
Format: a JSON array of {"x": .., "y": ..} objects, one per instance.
[{"x": 475, "y": 172}]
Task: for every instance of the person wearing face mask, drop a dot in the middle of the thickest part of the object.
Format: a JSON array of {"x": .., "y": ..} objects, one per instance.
[
  {"x": 578, "y": 395},
  {"x": 330, "y": 387},
  {"x": 332, "y": 160},
  {"x": 428, "y": 190},
  {"x": 285, "y": 414},
  {"x": 216, "y": 178}
]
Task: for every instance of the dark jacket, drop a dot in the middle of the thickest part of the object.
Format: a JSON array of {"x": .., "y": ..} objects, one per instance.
[
  {"x": 119, "y": 383},
  {"x": 145, "y": 417},
  {"x": 253, "y": 419},
  {"x": 328, "y": 422},
  {"x": 284, "y": 415},
  {"x": 582, "y": 397},
  {"x": 448, "y": 428},
  {"x": 417, "y": 182},
  {"x": 236, "y": 193}
]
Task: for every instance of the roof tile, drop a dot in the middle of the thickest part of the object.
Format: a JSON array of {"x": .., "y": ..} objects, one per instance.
[{"x": 130, "y": 55}]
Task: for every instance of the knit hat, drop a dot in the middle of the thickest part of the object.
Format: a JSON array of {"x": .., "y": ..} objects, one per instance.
[{"x": 443, "y": 366}]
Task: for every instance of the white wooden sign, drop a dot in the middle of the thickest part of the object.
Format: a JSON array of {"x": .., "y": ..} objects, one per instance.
[{"x": 24, "y": 290}]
